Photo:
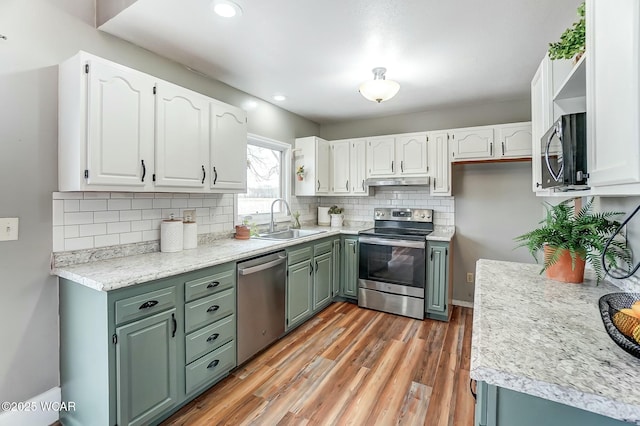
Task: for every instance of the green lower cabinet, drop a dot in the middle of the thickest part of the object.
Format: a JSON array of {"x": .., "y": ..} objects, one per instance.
[
  {"x": 349, "y": 281},
  {"x": 337, "y": 254},
  {"x": 134, "y": 355},
  {"x": 438, "y": 281},
  {"x": 322, "y": 281},
  {"x": 496, "y": 406},
  {"x": 146, "y": 368},
  {"x": 299, "y": 293}
]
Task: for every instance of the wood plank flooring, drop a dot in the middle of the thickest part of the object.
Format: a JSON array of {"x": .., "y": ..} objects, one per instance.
[{"x": 349, "y": 366}]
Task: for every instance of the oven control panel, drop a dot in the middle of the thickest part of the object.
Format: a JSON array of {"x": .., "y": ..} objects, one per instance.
[{"x": 409, "y": 215}]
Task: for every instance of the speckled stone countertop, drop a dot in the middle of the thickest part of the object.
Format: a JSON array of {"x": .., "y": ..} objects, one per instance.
[
  {"x": 112, "y": 274},
  {"x": 546, "y": 338},
  {"x": 442, "y": 233}
]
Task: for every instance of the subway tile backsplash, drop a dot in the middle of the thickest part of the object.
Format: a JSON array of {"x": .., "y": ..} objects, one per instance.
[
  {"x": 360, "y": 209},
  {"x": 93, "y": 220},
  {"x": 87, "y": 220}
]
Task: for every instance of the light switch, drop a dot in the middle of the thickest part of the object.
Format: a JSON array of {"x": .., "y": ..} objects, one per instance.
[{"x": 8, "y": 228}]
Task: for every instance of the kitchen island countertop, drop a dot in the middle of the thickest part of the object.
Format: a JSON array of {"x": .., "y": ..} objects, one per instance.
[{"x": 546, "y": 338}]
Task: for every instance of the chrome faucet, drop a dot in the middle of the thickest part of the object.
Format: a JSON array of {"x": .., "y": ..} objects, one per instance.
[{"x": 272, "y": 224}]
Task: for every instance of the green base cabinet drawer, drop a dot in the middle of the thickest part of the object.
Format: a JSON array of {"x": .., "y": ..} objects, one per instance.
[
  {"x": 299, "y": 255},
  {"x": 210, "y": 367},
  {"x": 209, "y": 309},
  {"x": 210, "y": 284},
  {"x": 322, "y": 248},
  {"x": 209, "y": 338},
  {"x": 145, "y": 304}
]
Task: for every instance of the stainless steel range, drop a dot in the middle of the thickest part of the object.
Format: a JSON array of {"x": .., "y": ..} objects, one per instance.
[{"x": 392, "y": 267}]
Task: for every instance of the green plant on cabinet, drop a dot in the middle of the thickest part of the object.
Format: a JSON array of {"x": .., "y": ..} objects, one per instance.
[{"x": 572, "y": 40}]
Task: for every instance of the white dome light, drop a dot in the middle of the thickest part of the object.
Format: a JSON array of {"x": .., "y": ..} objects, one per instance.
[{"x": 379, "y": 89}]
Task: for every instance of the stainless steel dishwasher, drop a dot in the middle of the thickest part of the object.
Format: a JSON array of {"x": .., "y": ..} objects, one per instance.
[{"x": 261, "y": 303}]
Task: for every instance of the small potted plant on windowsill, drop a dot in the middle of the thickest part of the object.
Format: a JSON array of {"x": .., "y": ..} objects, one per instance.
[
  {"x": 570, "y": 239},
  {"x": 336, "y": 216}
]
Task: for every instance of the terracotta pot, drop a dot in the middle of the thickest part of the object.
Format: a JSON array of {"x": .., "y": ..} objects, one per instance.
[
  {"x": 561, "y": 270},
  {"x": 242, "y": 232}
]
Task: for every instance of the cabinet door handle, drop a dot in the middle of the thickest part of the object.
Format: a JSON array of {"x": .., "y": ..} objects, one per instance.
[
  {"x": 363, "y": 184},
  {"x": 347, "y": 185},
  {"x": 148, "y": 304},
  {"x": 213, "y": 337},
  {"x": 354, "y": 249},
  {"x": 215, "y": 175},
  {"x": 503, "y": 148},
  {"x": 434, "y": 183},
  {"x": 431, "y": 254},
  {"x": 213, "y": 308},
  {"x": 392, "y": 166},
  {"x": 491, "y": 149},
  {"x": 204, "y": 174},
  {"x": 402, "y": 166},
  {"x": 213, "y": 284},
  {"x": 213, "y": 363},
  {"x": 316, "y": 266},
  {"x": 538, "y": 184},
  {"x": 474, "y": 394},
  {"x": 144, "y": 170},
  {"x": 175, "y": 325},
  {"x": 318, "y": 185},
  {"x": 310, "y": 268}
]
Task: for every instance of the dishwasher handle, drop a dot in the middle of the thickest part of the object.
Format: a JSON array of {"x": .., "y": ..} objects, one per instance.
[{"x": 262, "y": 267}]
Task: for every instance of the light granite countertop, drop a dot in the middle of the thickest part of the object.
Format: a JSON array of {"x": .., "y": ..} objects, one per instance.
[
  {"x": 112, "y": 274},
  {"x": 546, "y": 338},
  {"x": 442, "y": 233}
]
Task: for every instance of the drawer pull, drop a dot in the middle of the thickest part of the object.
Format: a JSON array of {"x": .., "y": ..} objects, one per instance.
[
  {"x": 213, "y": 284},
  {"x": 148, "y": 304},
  {"x": 175, "y": 325},
  {"x": 474, "y": 394},
  {"x": 213, "y": 337},
  {"x": 213, "y": 363},
  {"x": 213, "y": 308}
]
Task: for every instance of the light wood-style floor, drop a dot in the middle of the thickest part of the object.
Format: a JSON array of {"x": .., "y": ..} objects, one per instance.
[{"x": 349, "y": 366}]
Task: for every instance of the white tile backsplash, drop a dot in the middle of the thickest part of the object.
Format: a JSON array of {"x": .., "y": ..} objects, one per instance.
[{"x": 87, "y": 220}]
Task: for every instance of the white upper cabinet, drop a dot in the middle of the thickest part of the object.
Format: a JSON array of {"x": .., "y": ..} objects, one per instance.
[
  {"x": 313, "y": 154},
  {"x": 613, "y": 95},
  {"x": 228, "y": 147},
  {"x": 475, "y": 143},
  {"x": 106, "y": 120},
  {"x": 541, "y": 116},
  {"x": 340, "y": 161},
  {"x": 357, "y": 167},
  {"x": 411, "y": 155},
  {"x": 124, "y": 130},
  {"x": 515, "y": 140},
  {"x": 182, "y": 145},
  {"x": 440, "y": 164},
  {"x": 381, "y": 159}
]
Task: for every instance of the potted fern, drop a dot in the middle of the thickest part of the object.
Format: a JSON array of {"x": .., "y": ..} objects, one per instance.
[{"x": 569, "y": 239}]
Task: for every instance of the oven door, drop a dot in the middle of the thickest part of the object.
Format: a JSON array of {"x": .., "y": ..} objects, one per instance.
[{"x": 393, "y": 266}]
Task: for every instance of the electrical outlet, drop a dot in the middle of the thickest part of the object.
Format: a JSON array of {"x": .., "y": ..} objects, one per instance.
[
  {"x": 470, "y": 277},
  {"x": 8, "y": 229}
]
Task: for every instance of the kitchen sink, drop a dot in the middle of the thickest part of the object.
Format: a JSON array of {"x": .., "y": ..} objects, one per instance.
[{"x": 288, "y": 234}]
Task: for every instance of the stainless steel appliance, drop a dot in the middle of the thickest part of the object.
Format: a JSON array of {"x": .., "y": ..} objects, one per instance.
[
  {"x": 392, "y": 263},
  {"x": 261, "y": 303},
  {"x": 564, "y": 154}
]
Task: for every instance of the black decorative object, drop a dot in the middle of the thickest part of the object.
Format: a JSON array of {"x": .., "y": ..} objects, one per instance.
[{"x": 611, "y": 304}]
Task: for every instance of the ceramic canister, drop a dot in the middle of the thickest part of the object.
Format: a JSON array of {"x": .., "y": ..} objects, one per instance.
[
  {"x": 323, "y": 216},
  {"x": 190, "y": 235},
  {"x": 171, "y": 235}
]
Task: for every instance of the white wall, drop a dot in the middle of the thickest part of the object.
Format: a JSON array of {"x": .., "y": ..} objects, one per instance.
[{"x": 41, "y": 34}]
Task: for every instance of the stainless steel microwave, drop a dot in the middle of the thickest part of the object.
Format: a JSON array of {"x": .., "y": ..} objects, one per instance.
[{"x": 564, "y": 153}]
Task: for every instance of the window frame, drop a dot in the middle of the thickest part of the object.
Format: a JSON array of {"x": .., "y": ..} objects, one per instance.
[{"x": 285, "y": 180}]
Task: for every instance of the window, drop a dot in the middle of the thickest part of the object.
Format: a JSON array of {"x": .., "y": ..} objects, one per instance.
[{"x": 268, "y": 164}]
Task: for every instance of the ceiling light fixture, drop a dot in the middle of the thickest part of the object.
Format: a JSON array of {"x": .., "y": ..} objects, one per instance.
[
  {"x": 379, "y": 89},
  {"x": 226, "y": 8},
  {"x": 279, "y": 98}
]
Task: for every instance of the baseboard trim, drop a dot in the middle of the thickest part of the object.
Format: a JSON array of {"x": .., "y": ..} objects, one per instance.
[
  {"x": 463, "y": 303},
  {"x": 39, "y": 410}
]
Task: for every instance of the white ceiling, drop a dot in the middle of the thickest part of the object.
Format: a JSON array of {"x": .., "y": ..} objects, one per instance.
[{"x": 317, "y": 53}]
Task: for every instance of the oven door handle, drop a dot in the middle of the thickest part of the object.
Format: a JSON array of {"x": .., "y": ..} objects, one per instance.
[{"x": 392, "y": 243}]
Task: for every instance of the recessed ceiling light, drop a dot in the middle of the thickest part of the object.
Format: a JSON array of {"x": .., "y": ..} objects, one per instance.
[
  {"x": 279, "y": 98},
  {"x": 226, "y": 8}
]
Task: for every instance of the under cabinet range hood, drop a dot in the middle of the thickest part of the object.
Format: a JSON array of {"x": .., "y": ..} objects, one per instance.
[{"x": 398, "y": 181}]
